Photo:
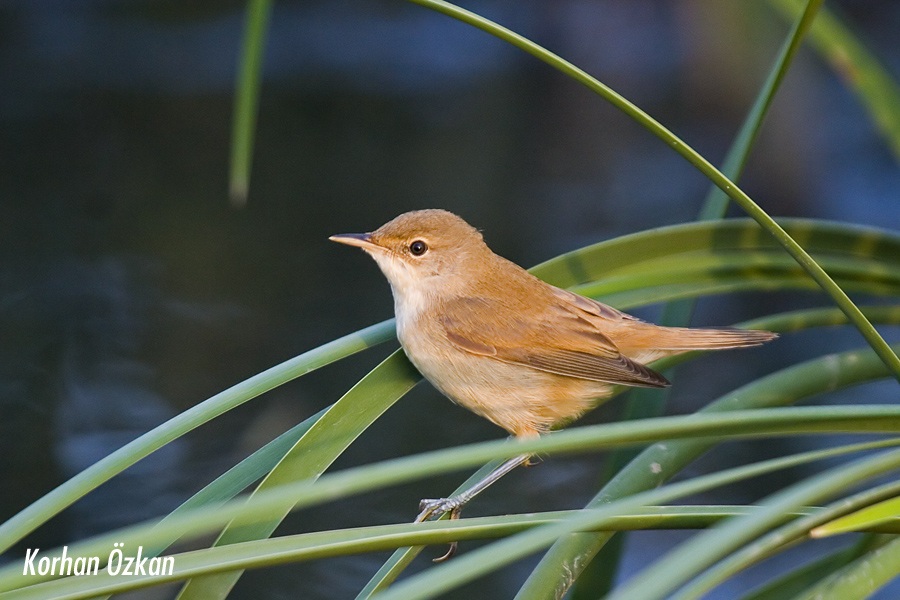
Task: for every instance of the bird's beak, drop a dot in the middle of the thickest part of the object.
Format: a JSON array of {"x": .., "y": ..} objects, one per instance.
[{"x": 362, "y": 240}]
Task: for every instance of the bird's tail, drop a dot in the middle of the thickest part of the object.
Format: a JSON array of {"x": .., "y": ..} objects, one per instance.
[{"x": 680, "y": 339}]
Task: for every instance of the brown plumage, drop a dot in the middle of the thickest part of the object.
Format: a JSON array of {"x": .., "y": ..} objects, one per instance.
[
  {"x": 506, "y": 345},
  {"x": 495, "y": 339}
]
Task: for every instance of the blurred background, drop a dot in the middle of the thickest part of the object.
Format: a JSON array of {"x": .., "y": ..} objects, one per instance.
[{"x": 132, "y": 289}]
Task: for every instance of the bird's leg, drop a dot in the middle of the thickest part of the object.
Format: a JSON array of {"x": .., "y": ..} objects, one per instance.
[
  {"x": 434, "y": 508},
  {"x": 437, "y": 507}
]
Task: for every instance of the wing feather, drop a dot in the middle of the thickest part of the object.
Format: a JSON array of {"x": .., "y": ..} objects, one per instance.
[{"x": 558, "y": 340}]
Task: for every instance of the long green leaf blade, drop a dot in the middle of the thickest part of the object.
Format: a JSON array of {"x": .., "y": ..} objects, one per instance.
[
  {"x": 859, "y": 69},
  {"x": 801, "y": 256},
  {"x": 716, "y": 203},
  {"x": 860, "y": 520},
  {"x": 64, "y": 495},
  {"x": 778, "y": 538},
  {"x": 793, "y": 582},
  {"x": 734, "y": 424},
  {"x": 664, "y": 461},
  {"x": 702, "y": 550},
  {"x": 319, "y": 447},
  {"x": 479, "y": 562},
  {"x": 246, "y": 109},
  {"x": 335, "y": 543},
  {"x": 861, "y": 578}
]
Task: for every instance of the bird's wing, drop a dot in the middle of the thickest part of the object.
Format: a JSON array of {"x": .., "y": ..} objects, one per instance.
[
  {"x": 559, "y": 339},
  {"x": 576, "y": 303}
]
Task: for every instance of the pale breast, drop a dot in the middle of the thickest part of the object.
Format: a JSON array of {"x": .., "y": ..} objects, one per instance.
[
  {"x": 522, "y": 400},
  {"x": 408, "y": 307}
]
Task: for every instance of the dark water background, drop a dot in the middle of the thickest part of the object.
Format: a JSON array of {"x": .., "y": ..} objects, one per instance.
[{"x": 130, "y": 289}]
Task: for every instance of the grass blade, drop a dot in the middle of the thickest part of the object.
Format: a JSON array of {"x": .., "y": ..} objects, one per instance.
[
  {"x": 702, "y": 550},
  {"x": 858, "y": 68},
  {"x": 628, "y": 513},
  {"x": 319, "y": 447},
  {"x": 736, "y": 424},
  {"x": 794, "y": 531},
  {"x": 246, "y": 109},
  {"x": 64, "y": 495},
  {"x": 478, "y": 562},
  {"x": 861, "y": 578},
  {"x": 790, "y": 584},
  {"x": 716, "y": 202},
  {"x": 860, "y": 520},
  {"x": 801, "y": 256},
  {"x": 792, "y": 384}
]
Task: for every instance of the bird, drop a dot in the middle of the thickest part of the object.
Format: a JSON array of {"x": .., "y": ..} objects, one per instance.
[{"x": 526, "y": 355}]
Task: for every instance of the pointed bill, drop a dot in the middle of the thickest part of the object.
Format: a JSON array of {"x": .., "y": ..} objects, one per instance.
[{"x": 361, "y": 240}]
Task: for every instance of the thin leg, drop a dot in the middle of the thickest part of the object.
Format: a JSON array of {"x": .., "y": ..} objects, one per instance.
[
  {"x": 437, "y": 507},
  {"x": 434, "y": 508}
]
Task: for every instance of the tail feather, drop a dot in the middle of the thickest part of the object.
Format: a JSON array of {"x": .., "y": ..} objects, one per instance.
[{"x": 682, "y": 338}]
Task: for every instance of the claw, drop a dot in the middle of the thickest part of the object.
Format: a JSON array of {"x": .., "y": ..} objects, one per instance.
[
  {"x": 440, "y": 506},
  {"x": 451, "y": 551}
]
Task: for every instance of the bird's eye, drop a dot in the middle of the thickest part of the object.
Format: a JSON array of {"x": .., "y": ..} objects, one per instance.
[{"x": 418, "y": 248}]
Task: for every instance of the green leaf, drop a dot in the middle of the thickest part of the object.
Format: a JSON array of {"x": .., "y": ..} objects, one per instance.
[
  {"x": 861, "y": 578},
  {"x": 246, "y": 109},
  {"x": 784, "y": 239},
  {"x": 685, "y": 561},
  {"x": 661, "y": 462},
  {"x": 775, "y": 540},
  {"x": 64, "y": 495},
  {"x": 470, "y": 566},
  {"x": 797, "y": 580},
  {"x": 858, "y": 68},
  {"x": 628, "y": 514},
  {"x": 234, "y": 480},
  {"x": 735, "y": 424},
  {"x": 319, "y": 447},
  {"x": 599, "y": 574},
  {"x": 860, "y": 520},
  {"x": 716, "y": 203},
  {"x": 237, "y": 478},
  {"x": 656, "y": 250}
]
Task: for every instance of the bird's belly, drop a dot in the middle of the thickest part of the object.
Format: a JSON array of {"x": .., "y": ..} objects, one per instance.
[{"x": 520, "y": 399}]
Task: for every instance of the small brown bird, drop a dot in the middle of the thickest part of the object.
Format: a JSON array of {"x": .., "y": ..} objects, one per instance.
[{"x": 497, "y": 340}]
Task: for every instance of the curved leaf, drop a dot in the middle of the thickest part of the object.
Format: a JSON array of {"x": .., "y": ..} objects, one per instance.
[
  {"x": 314, "y": 452},
  {"x": 795, "y": 249},
  {"x": 64, "y": 495},
  {"x": 858, "y": 68},
  {"x": 483, "y": 560},
  {"x": 679, "y": 565},
  {"x": 861, "y": 578},
  {"x": 665, "y": 460},
  {"x": 860, "y": 520},
  {"x": 737, "y": 424},
  {"x": 367, "y": 539},
  {"x": 780, "y": 537},
  {"x": 797, "y": 580},
  {"x": 243, "y": 125}
]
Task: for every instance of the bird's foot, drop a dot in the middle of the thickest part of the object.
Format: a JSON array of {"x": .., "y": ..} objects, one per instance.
[{"x": 437, "y": 507}]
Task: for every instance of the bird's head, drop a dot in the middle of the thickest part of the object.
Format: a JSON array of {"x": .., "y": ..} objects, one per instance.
[{"x": 423, "y": 249}]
